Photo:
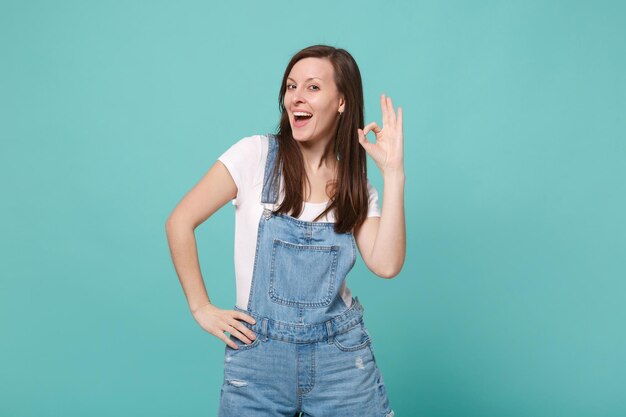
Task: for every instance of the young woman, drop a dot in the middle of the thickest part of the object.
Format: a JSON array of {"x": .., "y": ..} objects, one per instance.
[{"x": 297, "y": 340}]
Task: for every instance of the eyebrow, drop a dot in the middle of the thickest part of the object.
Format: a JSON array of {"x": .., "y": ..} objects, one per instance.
[{"x": 308, "y": 79}]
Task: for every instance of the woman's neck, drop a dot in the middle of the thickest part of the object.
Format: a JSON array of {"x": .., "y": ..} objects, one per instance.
[{"x": 318, "y": 156}]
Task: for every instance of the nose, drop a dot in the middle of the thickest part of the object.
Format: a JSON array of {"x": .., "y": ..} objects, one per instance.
[{"x": 296, "y": 96}]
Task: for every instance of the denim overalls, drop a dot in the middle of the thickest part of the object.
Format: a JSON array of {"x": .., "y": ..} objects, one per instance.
[{"x": 312, "y": 353}]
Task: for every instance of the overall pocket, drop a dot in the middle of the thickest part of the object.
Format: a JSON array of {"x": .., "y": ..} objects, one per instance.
[
  {"x": 302, "y": 275},
  {"x": 353, "y": 339},
  {"x": 242, "y": 345}
]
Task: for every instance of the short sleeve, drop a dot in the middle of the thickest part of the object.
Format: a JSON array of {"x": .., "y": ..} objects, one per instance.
[
  {"x": 372, "y": 210},
  {"x": 242, "y": 161}
]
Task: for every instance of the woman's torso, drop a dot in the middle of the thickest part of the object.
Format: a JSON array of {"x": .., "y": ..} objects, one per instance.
[{"x": 246, "y": 161}]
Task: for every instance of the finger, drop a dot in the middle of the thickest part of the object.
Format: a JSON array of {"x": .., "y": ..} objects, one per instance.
[
  {"x": 399, "y": 120},
  {"x": 239, "y": 335},
  {"x": 238, "y": 326},
  {"x": 372, "y": 126},
  {"x": 363, "y": 140},
  {"x": 225, "y": 339},
  {"x": 383, "y": 107},
  {"x": 244, "y": 316},
  {"x": 390, "y": 111},
  {"x": 362, "y": 137}
]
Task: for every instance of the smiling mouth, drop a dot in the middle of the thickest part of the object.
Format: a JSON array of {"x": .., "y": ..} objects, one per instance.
[
  {"x": 302, "y": 115},
  {"x": 301, "y": 119}
]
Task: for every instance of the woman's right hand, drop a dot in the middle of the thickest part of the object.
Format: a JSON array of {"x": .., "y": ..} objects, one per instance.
[{"x": 217, "y": 321}]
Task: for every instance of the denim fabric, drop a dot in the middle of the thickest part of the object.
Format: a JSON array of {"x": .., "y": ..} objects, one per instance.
[{"x": 313, "y": 354}]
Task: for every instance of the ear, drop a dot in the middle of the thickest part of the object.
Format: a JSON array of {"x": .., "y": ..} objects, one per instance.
[{"x": 342, "y": 104}]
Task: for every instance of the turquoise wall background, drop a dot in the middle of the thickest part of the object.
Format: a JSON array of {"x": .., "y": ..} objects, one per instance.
[{"x": 511, "y": 301}]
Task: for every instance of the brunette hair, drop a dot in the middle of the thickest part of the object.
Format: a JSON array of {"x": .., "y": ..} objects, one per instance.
[{"x": 349, "y": 196}]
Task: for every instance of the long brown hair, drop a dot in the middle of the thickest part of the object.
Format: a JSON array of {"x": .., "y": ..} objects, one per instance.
[{"x": 349, "y": 198}]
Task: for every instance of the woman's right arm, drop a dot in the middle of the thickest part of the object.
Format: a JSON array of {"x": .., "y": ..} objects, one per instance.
[{"x": 211, "y": 193}]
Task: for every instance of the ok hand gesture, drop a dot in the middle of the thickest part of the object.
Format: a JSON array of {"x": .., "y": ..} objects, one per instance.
[{"x": 388, "y": 151}]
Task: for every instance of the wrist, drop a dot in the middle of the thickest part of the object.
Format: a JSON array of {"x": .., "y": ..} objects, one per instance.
[
  {"x": 396, "y": 174},
  {"x": 194, "y": 308}
]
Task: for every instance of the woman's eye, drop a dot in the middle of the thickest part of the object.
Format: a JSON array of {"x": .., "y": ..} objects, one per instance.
[{"x": 289, "y": 87}]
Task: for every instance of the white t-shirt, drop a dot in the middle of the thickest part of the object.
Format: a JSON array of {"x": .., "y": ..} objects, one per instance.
[{"x": 245, "y": 161}]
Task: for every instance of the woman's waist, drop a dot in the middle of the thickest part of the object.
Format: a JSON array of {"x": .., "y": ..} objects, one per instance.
[{"x": 299, "y": 332}]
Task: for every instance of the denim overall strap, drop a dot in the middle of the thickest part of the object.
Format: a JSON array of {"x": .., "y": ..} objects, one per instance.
[{"x": 271, "y": 189}]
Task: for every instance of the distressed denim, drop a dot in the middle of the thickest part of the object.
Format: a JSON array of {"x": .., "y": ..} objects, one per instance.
[{"x": 313, "y": 354}]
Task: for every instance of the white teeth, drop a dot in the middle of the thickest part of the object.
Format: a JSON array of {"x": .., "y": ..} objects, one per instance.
[{"x": 301, "y": 113}]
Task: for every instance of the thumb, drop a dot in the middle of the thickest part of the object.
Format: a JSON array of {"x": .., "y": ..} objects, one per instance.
[{"x": 364, "y": 141}]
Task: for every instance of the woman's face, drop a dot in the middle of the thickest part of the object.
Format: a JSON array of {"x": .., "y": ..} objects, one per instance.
[{"x": 311, "y": 89}]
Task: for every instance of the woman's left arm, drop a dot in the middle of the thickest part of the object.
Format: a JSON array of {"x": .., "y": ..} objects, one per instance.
[{"x": 382, "y": 240}]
